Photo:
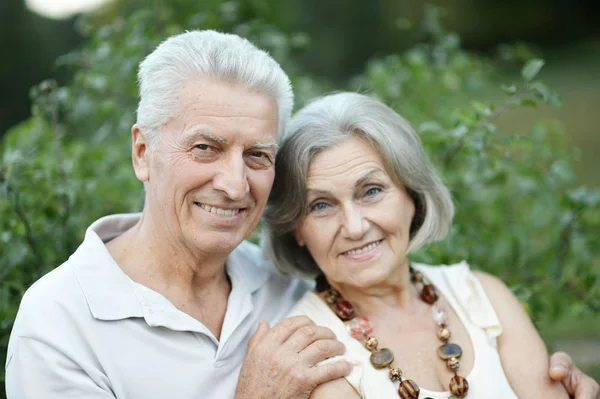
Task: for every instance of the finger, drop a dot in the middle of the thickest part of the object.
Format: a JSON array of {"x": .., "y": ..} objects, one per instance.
[
  {"x": 321, "y": 350},
  {"x": 561, "y": 365},
  {"x": 261, "y": 332},
  {"x": 581, "y": 386},
  {"x": 283, "y": 330},
  {"x": 330, "y": 371},
  {"x": 306, "y": 336}
]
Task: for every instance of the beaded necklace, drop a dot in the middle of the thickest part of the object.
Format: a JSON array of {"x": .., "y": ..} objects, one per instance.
[{"x": 360, "y": 328}]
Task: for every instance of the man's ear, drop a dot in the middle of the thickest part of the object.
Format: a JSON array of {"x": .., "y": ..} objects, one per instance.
[{"x": 140, "y": 154}]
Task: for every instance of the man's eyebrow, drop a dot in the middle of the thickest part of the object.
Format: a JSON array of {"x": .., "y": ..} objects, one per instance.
[
  {"x": 196, "y": 135},
  {"x": 221, "y": 140},
  {"x": 367, "y": 176},
  {"x": 263, "y": 145}
]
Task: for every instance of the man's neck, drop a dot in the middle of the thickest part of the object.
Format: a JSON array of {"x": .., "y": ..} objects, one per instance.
[{"x": 188, "y": 280}]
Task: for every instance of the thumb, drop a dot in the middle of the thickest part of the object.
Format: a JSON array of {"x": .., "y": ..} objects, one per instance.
[
  {"x": 561, "y": 366},
  {"x": 262, "y": 330}
]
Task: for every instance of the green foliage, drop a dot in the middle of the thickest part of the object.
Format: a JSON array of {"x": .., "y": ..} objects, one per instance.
[{"x": 520, "y": 213}]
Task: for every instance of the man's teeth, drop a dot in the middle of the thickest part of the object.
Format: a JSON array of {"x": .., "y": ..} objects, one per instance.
[
  {"x": 363, "y": 249},
  {"x": 220, "y": 211}
]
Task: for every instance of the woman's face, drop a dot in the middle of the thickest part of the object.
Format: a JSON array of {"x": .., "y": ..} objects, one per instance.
[{"x": 358, "y": 219}]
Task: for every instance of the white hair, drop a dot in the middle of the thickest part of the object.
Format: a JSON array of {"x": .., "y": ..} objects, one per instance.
[
  {"x": 323, "y": 124},
  {"x": 212, "y": 54}
]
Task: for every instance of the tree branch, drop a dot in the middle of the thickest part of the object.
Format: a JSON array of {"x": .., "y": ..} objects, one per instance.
[
  {"x": 28, "y": 232},
  {"x": 486, "y": 120}
]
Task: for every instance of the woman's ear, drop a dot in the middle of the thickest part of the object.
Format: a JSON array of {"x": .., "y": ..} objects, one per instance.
[
  {"x": 140, "y": 154},
  {"x": 298, "y": 237}
]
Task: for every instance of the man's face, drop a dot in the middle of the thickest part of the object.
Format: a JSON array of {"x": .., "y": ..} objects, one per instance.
[{"x": 211, "y": 172}]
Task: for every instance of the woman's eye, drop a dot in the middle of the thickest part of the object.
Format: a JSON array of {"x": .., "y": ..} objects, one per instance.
[
  {"x": 373, "y": 191},
  {"x": 319, "y": 206}
]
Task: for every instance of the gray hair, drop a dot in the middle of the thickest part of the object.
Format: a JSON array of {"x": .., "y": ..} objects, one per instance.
[
  {"x": 324, "y": 123},
  {"x": 206, "y": 53}
]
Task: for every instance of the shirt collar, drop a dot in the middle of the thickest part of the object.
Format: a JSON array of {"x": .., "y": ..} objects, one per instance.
[{"x": 112, "y": 295}]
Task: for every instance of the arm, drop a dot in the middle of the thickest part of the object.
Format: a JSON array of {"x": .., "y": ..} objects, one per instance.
[
  {"x": 339, "y": 388},
  {"x": 36, "y": 369},
  {"x": 522, "y": 352}
]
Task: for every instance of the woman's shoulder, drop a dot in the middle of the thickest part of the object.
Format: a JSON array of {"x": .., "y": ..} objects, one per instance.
[
  {"x": 450, "y": 273},
  {"x": 468, "y": 293}
]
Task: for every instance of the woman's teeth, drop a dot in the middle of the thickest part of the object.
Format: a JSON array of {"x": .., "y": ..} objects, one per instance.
[{"x": 363, "y": 249}]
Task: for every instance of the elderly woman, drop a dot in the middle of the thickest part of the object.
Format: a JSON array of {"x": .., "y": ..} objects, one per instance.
[{"x": 354, "y": 195}]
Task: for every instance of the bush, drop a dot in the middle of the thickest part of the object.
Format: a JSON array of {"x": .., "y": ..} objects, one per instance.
[{"x": 520, "y": 214}]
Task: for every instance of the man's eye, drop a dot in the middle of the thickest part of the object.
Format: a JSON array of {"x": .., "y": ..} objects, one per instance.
[
  {"x": 203, "y": 147},
  {"x": 259, "y": 154}
]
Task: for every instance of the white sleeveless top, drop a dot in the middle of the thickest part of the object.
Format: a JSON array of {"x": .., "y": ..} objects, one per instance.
[{"x": 466, "y": 296}]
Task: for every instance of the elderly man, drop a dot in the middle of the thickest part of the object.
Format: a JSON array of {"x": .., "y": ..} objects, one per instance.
[{"x": 172, "y": 303}]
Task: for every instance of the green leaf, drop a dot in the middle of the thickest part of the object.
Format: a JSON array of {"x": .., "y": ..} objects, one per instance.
[{"x": 532, "y": 68}]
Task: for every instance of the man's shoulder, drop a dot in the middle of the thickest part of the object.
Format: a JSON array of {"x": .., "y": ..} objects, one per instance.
[{"x": 49, "y": 300}]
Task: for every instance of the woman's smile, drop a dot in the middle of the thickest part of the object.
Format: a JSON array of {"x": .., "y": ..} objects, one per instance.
[{"x": 364, "y": 252}]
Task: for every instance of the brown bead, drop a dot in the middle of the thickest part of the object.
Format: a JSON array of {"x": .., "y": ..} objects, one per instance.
[
  {"x": 408, "y": 389},
  {"x": 344, "y": 310},
  {"x": 416, "y": 277},
  {"x": 453, "y": 363},
  {"x": 429, "y": 294},
  {"x": 395, "y": 374},
  {"x": 443, "y": 334},
  {"x": 332, "y": 296},
  {"x": 382, "y": 358},
  {"x": 459, "y": 386},
  {"x": 448, "y": 351},
  {"x": 371, "y": 343}
]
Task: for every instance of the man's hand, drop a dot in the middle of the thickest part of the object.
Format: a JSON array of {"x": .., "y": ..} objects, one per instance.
[
  {"x": 579, "y": 385},
  {"x": 280, "y": 362}
]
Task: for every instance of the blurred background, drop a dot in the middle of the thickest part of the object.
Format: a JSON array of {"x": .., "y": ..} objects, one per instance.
[
  {"x": 339, "y": 44},
  {"x": 347, "y": 33}
]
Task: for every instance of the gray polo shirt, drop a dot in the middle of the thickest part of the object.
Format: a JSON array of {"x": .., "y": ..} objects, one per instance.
[{"x": 86, "y": 330}]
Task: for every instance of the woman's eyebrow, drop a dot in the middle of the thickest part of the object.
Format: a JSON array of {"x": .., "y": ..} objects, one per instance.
[
  {"x": 317, "y": 193},
  {"x": 367, "y": 176}
]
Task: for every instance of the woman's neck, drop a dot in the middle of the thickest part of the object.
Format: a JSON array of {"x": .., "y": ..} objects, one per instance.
[{"x": 394, "y": 292}]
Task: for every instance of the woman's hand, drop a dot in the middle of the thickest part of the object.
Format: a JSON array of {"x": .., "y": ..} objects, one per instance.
[
  {"x": 578, "y": 385},
  {"x": 280, "y": 362}
]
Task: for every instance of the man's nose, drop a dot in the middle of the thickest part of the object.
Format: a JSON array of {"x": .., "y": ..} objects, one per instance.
[
  {"x": 232, "y": 179},
  {"x": 354, "y": 225}
]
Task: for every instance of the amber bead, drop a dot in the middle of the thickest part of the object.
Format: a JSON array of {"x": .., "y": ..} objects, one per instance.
[
  {"x": 448, "y": 351},
  {"x": 453, "y": 363},
  {"x": 382, "y": 358},
  {"x": 459, "y": 386},
  {"x": 395, "y": 374},
  {"x": 332, "y": 296},
  {"x": 408, "y": 389},
  {"x": 371, "y": 343},
  {"x": 429, "y": 294},
  {"x": 443, "y": 334},
  {"x": 344, "y": 310}
]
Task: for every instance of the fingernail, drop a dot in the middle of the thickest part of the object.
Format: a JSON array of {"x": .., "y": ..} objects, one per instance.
[{"x": 558, "y": 369}]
